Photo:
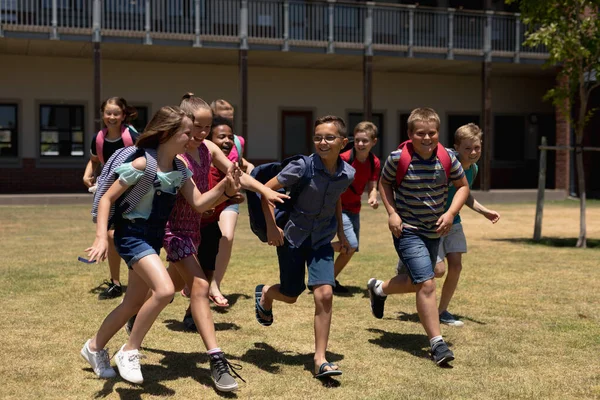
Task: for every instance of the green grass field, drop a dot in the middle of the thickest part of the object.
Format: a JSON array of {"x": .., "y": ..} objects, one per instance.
[{"x": 531, "y": 315}]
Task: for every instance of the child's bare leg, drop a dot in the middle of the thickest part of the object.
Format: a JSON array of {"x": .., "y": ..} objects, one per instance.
[
  {"x": 398, "y": 284},
  {"x": 194, "y": 277},
  {"x": 440, "y": 269},
  {"x": 271, "y": 293},
  {"x": 323, "y": 295},
  {"x": 227, "y": 224},
  {"x": 451, "y": 282},
  {"x": 341, "y": 261},
  {"x": 114, "y": 259},
  {"x": 150, "y": 270},
  {"x": 134, "y": 299},
  {"x": 427, "y": 308}
]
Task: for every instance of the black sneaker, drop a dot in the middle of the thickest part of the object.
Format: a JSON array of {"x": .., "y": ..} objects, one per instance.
[
  {"x": 441, "y": 354},
  {"x": 188, "y": 323},
  {"x": 112, "y": 291},
  {"x": 221, "y": 370},
  {"x": 129, "y": 325},
  {"x": 377, "y": 302},
  {"x": 339, "y": 288}
]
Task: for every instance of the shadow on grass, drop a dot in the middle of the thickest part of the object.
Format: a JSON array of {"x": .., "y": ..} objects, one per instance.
[
  {"x": 414, "y": 317},
  {"x": 408, "y": 342},
  {"x": 552, "y": 242},
  {"x": 352, "y": 290},
  {"x": 173, "y": 366},
  {"x": 103, "y": 286},
  {"x": 233, "y": 299},
  {"x": 177, "y": 326},
  {"x": 268, "y": 358}
]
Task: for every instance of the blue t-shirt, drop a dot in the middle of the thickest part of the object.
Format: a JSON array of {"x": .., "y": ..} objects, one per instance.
[
  {"x": 470, "y": 174},
  {"x": 421, "y": 197},
  {"x": 314, "y": 210}
]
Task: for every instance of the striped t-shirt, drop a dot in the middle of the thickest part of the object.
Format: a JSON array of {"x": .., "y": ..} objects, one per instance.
[{"x": 421, "y": 197}]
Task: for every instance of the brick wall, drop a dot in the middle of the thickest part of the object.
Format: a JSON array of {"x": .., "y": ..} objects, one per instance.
[{"x": 32, "y": 178}]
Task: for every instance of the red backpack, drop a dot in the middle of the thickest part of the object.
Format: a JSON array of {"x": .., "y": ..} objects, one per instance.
[
  {"x": 125, "y": 135},
  {"x": 407, "y": 155}
]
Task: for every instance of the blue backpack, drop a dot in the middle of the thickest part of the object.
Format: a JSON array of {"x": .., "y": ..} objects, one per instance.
[
  {"x": 264, "y": 173},
  {"x": 132, "y": 196}
]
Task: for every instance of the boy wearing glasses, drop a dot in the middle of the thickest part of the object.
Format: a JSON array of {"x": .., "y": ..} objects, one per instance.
[
  {"x": 417, "y": 219},
  {"x": 305, "y": 241},
  {"x": 367, "y": 167}
]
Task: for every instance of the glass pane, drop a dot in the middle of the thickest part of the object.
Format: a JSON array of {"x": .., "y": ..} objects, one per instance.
[
  {"x": 77, "y": 137},
  {"x": 5, "y": 136},
  {"x": 142, "y": 119},
  {"x": 49, "y": 149},
  {"x": 62, "y": 117},
  {"x": 49, "y": 137},
  {"x": 509, "y": 138},
  {"x": 77, "y": 118},
  {"x": 6, "y": 149},
  {"x": 294, "y": 129},
  {"x": 8, "y": 116},
  {"x": 45, "y": 112},
  {"x": 77, "y": 150}
]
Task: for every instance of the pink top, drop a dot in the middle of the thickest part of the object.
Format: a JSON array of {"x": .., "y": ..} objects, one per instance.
[
  {"x": 184, "y": 220},
  {"x": 233, "y": 154}
]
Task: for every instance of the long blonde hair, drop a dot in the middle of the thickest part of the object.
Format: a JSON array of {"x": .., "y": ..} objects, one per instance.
[{"x": 163, "y": 125}]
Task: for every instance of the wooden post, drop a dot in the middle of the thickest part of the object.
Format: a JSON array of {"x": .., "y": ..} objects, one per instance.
[{"x": 539, "y": 208}]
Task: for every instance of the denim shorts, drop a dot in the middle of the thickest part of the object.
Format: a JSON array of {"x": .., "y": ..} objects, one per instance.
[
  {"x": 136, "y": 239},
  {"x": 418, "y": 254},
  {"x": 351, "y": 228},
  {"x": 210, "y": 235},
  {"x": 292, "y": 264},
  {"x": 233, "y": 207}
]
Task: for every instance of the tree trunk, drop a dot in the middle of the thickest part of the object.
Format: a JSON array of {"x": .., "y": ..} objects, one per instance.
[{"x": 582, "y": 240}]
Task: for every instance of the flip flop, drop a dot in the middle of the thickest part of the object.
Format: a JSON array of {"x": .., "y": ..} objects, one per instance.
[
  {"x": 323, "y": 373},
  {"x": 220, "y": 301},
  {"x": 258, "y": 309}
]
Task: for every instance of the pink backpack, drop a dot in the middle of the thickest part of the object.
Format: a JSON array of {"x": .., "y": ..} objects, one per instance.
[
  {"x": 407, "y": 155},
  {"x": 125, "y": 135}
]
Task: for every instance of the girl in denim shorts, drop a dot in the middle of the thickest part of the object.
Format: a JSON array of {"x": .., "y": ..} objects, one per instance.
[{"x": 139, "y": 236}]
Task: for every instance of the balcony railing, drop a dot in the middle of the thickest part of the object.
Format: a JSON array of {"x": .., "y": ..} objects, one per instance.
[{"x": 289, "y": 24}]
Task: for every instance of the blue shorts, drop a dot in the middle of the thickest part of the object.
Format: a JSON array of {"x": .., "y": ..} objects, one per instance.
[
  {"x": 136, "y": 239},
  {"x": 292, "y": 264},
  {"x": 418, "y": 254},
  {"x": 351, "y": 228},
  {"x": 233, "y": 207}
]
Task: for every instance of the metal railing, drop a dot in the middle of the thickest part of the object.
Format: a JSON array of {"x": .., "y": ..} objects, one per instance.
[{"x": 327, "y": 24}]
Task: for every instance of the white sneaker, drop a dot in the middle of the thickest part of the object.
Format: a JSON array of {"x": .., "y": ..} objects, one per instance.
[
  {"x": 99, "y": 361},
  {"x": 128, "y": 364}
]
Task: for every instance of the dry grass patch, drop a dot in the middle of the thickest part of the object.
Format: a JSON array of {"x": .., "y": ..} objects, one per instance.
[{"x": 530, "y": 310}]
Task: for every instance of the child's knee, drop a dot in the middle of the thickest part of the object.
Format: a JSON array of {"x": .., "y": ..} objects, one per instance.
[
  {"x": 455, "y": 267},
  {"x": 200, "y": 287},
  {"x": 439, "y": 270},
  {"x": 427, "y": 288},
  {"x": 164, "y": 293},
  {"x": 323, "y": 294}
]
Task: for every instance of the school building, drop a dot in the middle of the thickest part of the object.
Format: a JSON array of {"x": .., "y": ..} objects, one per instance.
[{"x": 281, "y": 63}]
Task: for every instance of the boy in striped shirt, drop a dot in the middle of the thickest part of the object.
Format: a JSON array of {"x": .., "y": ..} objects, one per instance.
[{"x": 417, "y": 219}]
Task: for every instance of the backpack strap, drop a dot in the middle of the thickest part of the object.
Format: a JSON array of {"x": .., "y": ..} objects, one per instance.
[
  {"x": 126, "y": 136},
  {"x": 238, "y": 145},
  {"x": 475, "y": 171},
  {"x": 181, "y": 167},
  {"x": 144, "y": 184},
  {"x": 100, "y": 144},
  {"x": 444, "y": 157},
  {"x": 404, "y": 161}
]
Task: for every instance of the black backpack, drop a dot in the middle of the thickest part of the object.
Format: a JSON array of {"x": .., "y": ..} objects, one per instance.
[{"x": 264, "y": 173}]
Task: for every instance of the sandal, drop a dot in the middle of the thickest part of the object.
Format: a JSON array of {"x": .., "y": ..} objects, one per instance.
[
  {"x": 323, "y": 373},
  {"x": 259, "y": 310},
  {"x": 220, "y": 300}
]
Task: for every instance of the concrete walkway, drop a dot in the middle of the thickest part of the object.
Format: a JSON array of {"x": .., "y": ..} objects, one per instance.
[{"x": 491, "y": 197}]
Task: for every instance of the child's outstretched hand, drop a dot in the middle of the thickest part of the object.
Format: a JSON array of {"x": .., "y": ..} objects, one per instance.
[
  {"x": 395, "y": 224},
  {"x": 444, "y": 223},
  {"x": 232, "y": 183},
  {"x": 373, "y": 202},
  {"x": 273, "y": 196},
  {"x": 99, "y": 250},
  {"x": 492, "y": 216}
]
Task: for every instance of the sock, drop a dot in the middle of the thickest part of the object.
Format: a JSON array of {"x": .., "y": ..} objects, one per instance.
[
  {"x": 435, "y": 341},
  {"x": 378, "y": 289},
  {"x": 217, "y": 350}
]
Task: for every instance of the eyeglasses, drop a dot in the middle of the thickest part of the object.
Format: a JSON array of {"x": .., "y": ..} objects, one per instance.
[{"x": 328, "y": 138}]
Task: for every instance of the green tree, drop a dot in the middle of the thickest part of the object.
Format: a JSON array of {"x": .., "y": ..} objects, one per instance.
[{"x": 570, "y": 31}]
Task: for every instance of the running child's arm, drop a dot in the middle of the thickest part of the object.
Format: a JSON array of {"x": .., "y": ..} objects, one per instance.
[
  {"x": 387, "y": 198},
  {"x": 444, "y": 223},
  {"x": 274, "y": 233},
  {"x": 343, "y": 241},
  {"x": 249, "y": 183},
  {"x": 373, "y": 195},
  {"x": 88, "y": 176},
  {"x": 201, "y": 202},
  {"x": 476, "y": 206},
  {"x": 247, "y": 166}
]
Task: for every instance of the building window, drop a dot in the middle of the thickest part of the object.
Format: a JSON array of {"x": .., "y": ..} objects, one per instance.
[
  {"x": 404, "y": 127},
  {"x": 61, "y": 130},
  {"x": 142, "y": 118},
  {"x": 8, "y": 130},
  {"x": 297, "y": 133},
  {"x": 509, "y": 137},
  {"x": 377, "y": 118}
]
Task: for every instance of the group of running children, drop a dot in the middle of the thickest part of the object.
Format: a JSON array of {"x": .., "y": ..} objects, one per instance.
[{"x": 190, "y": 204}]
